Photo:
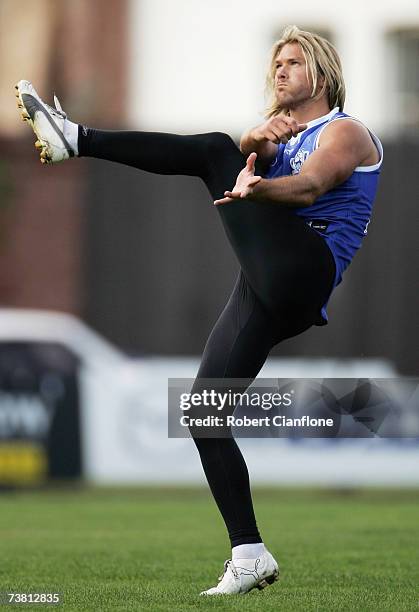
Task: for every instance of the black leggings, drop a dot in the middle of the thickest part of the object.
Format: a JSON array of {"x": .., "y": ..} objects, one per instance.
[{"x": 287, "y": 274}]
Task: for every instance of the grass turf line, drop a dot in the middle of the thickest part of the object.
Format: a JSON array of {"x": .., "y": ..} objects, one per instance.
[{"x": 155, "y": 549}]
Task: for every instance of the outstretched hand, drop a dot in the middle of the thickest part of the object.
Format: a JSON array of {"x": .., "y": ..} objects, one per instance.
[{"x": 245, "y": 182}]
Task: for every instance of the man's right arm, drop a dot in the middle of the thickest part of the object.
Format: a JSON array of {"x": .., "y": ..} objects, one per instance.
[
  {"x": 265, "y": 138},
  {"x": 251, "y": 142}
]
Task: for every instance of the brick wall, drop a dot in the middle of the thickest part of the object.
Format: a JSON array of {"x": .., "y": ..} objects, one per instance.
[
  {"x": 41, "y": 221},
  {"x": 83, "y": 57}
]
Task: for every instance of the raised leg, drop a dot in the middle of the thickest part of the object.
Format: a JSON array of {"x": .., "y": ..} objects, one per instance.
[{"x": 213, "y": 157}]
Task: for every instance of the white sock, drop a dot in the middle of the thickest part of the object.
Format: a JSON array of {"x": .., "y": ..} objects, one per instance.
[
  {"x": 71, "y": 134},
  {"x": 248, "y": 551}
]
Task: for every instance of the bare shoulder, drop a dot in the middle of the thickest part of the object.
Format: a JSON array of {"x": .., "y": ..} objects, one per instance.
[
  {"x": 345, "y": 128},
  {"x": 348, "y": 132}
]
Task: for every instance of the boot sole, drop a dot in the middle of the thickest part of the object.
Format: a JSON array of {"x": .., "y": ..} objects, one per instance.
[{"x": 267, "y": 581}]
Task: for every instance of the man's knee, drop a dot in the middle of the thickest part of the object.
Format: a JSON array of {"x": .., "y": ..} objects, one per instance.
[{"x": 217, "y": 142}]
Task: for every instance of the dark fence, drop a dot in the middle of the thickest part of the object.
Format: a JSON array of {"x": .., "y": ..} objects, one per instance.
[{"x": 159, "y": 267}]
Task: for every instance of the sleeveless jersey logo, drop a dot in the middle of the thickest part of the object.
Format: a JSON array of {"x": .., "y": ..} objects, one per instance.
[{"x": 297, "y": 161}]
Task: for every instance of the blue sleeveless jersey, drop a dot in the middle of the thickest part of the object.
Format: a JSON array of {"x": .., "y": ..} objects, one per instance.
[{"x": 341, "y": 216}]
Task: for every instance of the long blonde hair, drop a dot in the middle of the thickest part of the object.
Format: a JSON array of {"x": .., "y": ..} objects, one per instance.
[{"x": 322, "y": 60}]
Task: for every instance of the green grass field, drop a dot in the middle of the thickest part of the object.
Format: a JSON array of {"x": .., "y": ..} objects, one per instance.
[{"x": 155, "y": 549}]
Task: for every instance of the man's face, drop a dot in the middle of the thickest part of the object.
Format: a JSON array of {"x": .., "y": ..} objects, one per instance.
[{"x": 292, "y": 87}]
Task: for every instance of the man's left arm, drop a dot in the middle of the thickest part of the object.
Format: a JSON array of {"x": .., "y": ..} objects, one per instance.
[{"x": 343, "y": 146}]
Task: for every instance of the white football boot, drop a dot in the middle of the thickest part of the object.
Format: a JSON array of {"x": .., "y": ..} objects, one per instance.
[
  {"x": 49, "y": 124},
  {"x": 242, "y": 575}
]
